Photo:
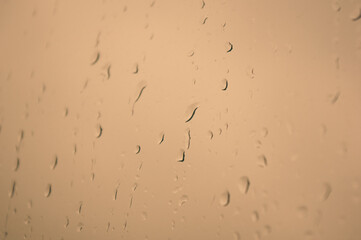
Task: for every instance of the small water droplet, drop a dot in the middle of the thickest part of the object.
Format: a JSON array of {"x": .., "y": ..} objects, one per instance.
[
  {"x": 236, "y": 236},
  {"x": 98, "y": 131},
  {"x": 13, "y": 188},
  {"x": 181, "y": 155},
  {"x": 80, "y": 227},
  {"x": 95, "y": 58},
  {"x": 135, "y": 68},
  {"x": 54, "y": 162},
  {"x": 137, "y": 149},
  {"x": 302, "y": 211},
  {"x": 262, "y": 161},
  {"x": 17, "y": 164},
  {"x": 327, "y": 189},
  {"x": 224, "y": 84},
  {"x": 225, "y": 199},
  {"x": 183, "y": 200},
  {"x": 48, "y": 191},
  {"x": 243, "y": 184},
  {"x": 255, "y": 216},
  {"x": 144, "y": 216},
  {"x": 229, "y": 47},
  {"x": 27, "y": 220},
  {"x": 66, "y": 222}
]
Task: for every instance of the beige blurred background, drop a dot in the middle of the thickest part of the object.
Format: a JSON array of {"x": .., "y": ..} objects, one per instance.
[{"x": 188, "y": 119}]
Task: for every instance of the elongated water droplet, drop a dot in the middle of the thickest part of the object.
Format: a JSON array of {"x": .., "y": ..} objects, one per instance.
[
  {"x": 48, "y": 191},
  {"x": 17, "y": 164},
  {"x": 225, "y": 199},
  {"x": 327, "y": 189},
  {"x": 137, "y": 149},
  {"x": 243, "y": 184},
  {"x": 183, "y": 200},
  {"x": 262, "y": 161},
  {"x": 254, "y": 216},
  {"x": 98, "y": 131},
  {"x": 13, "y": 188},
  {"x": 356, "y": 14},
  {"x": 229, "y": 47},
  {"x": 54, "y": 163}
]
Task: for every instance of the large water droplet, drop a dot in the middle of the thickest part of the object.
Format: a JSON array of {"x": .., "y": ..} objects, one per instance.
[
  {"x": 183, "y": 200},
  {"x": 225, "y": 199},
  {"x": 243, "y": 184},
  {"x": 262, "y": 161}
]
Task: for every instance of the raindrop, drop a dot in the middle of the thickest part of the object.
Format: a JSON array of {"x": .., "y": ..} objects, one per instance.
[
  {"x": 181, "y": 155},
  {"x": 21, "y": 136},
  {"x": 204, "y": 20},
  {"x": 80, "y": 207},
  {"x": 67, "y": 222},
  {"x": 356, "y": 14},
  {"x": 210, "y": 133},
  {"x": 17, "y": 164},
  {"x": 264, "y": 132},
  {"x": 108, "y": 71},
  {"x": 161, "y": 138},
  {"x": 144, "y": 216},
  {"x": 236, "y": 236},
  {"x": 98, "y": 131},
  {"x": 229, "y": 47},
  {"x": 335, "y": 97},
  {"x": 13, "y": 188},
  {"x": 189, "y": 138},
  {"x": 116, "y": 194},
  {"x": 95, "y": 58},
  {"x": 225, "y": 199},
  {"x": 135, "y": 68},
  {"x": 302, "y": 211},
  {"x": 66, "y": 112},
  {"x": 183, "y": 200},
  {"x": 192, "y": 115},
  {"x": 262, "y": 161},
  {"x": 80, "y": 227},
  {"x": 137, "y": 149},
  {"x": 224, "y": 84},
  {"x": 191, "y": 53},
  {"x": 142, "y": 86},
  {"x": 54, "y": 163},
  {"x": 254, "y": 216},
  {"x": 267, "y": 230},
  {"x": 48, "y": 191},
  {"x": 327, "y": 189},
  {"x": 243, "y": 184},
  {"x": 203, "y": 4},
  {"x": 27, "y": 220}
]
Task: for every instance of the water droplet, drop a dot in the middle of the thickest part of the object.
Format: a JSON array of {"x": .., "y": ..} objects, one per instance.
[
  {"x": 203, "y": 4},
  {"x": 243, "y": 184},
  {"x": 327, "y": 189},
  {"x": 356, "y": 14},
  {"x": 262, "y": 161},
  {"x": 66, "y": 222},
  {"x": 224, "y": 84},
  {"x": 144, "y": 216},
  {"x": 194, "y": 108},
  {"x": 135, "y": 68},
  {"x": 181, "y": 155},
  {"x": 80, "y": 227},
  {"x": 210, "y": 133},
  {"x": 302, "y": 211},
  {"x": 334, "y": 97},
  {"x": 48, "y": 191},
  {"x": 267, "y": 230},
  {"x": 161, "y": 138},
  {"x": 54, "y": 162},
  {"x": 183, "y": 200},
  {"x": 13, "y": 188},
  {"x": 98, "y": 131},
  {"x": 137, "y": 149},
  {"x": 95, "y": 58},
  {"x": 229, "y": 47},
  {"x": 204, "y": 20},
  {"x": 264, "y": 132},
  {"x": 80, "y": 207},
  {"x": 17, "y": 164},
  {"x": 27, "y": 220},
  {"x": 190, "y": 53},
  {"x": 225, "y": 199},
  {"x": 254, "y": 216},
  {"x": 236, "y": 236}
]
